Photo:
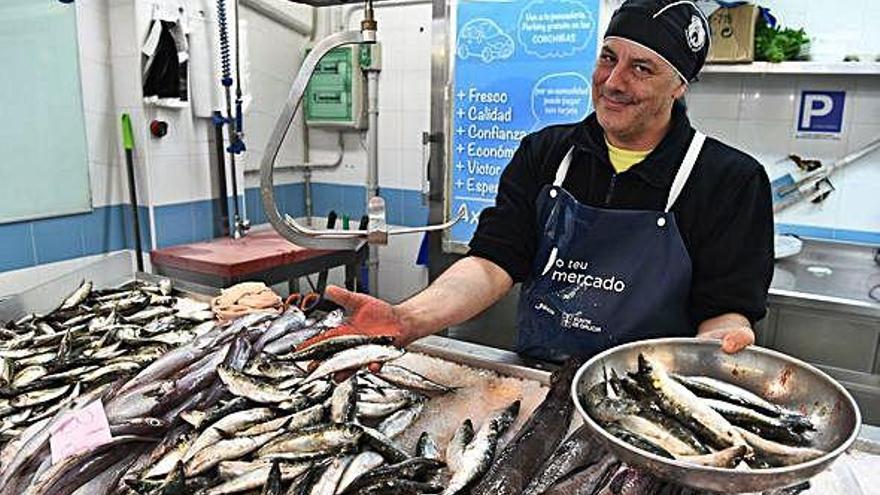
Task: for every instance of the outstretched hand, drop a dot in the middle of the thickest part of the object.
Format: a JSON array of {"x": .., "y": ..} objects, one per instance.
[{"x": 367, "y": 316}]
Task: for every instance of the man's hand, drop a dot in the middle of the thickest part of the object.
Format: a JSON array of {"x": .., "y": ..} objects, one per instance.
[
  {"x": 367, "y": 316},
  {"x": 733, "y": 329}
]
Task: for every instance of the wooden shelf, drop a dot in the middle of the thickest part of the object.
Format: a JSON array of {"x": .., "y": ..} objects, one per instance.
[{"x": 797, "y": 68}]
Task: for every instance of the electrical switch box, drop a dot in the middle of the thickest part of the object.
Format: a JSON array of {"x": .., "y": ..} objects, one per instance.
[{"x": 336, "y": 94}]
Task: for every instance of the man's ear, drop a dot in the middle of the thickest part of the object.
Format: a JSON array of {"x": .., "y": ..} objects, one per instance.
[{"x": 679, "y": 91}]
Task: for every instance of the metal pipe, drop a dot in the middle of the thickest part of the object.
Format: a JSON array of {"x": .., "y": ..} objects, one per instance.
[
  {"x": 337, "y": 161},
  {"x": 223, "y": 193},
  {"x": 373, "y": 168},
  {"x": 307, "y": 187},
  {"x": 372, "y": 133},
  {"x": 272, "y": 12}
]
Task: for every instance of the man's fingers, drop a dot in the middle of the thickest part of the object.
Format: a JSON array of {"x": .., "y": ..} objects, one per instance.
[
  {"x": 347, "y": 299},
  {"x": 737, "y": 340}
]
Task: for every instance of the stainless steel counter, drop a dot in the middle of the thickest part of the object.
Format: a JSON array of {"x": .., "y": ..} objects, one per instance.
[
  {"x": 829, "y": 275},
  {"x": 820, "y": 311}
]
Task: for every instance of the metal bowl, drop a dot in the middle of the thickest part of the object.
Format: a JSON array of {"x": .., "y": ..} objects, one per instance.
[{"x": 776, "y": 377}]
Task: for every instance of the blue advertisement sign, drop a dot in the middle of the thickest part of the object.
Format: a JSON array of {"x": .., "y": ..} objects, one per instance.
[
  {"x": 520, "y": 65},
  {"x": 821, "y": 112}
]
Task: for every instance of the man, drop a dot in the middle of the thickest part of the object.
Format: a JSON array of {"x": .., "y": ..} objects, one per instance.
[{"x": 626, "y": 226}]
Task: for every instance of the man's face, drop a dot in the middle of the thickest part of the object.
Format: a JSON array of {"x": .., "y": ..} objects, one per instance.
[{"x": 633, "y": 89}]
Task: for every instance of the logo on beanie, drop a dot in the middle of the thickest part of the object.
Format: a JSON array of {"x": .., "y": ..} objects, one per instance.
[{"x": 696, "y": 34}]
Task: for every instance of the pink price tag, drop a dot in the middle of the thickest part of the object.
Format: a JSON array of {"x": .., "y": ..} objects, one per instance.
[{"x": 79, "y": 430}]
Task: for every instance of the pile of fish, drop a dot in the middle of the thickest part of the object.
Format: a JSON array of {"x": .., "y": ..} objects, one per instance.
[
  {"x": 699, "y": 420},
  {"x": 239, "y": 408},
  {"x": 93, "y": 337},
  {"x": 211, "y": 409},
  {"x": 541, "y": 459}
]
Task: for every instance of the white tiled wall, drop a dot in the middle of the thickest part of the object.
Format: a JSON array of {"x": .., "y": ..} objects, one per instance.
[
  {"x": 102, "y": 126},
  {"x": 758, "y": 113},
  {"x": 404, "y": 102}
]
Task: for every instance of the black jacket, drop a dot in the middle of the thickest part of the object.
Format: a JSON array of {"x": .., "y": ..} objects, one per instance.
[{"x": 724, "y": 213}]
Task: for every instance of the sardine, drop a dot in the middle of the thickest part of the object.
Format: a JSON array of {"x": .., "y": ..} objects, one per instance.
[
  {"x": 396, "y": 423},
  {"x": 726, "y": 458},
  {"x": 329, "y": 481},
  {"x": 683, "y": 405},
  {"x": 778, "y": 454},
  {"x": 290, "y": 321},
  {"x": 28, "y": 375},
  {"x": 477, "y": 457},
  {"x": 288, "y": 342},
  {"x": 360, "y": 464},
  {"x": 657, "y": 434},
  {"x": 255, "y": 476},
  {"x": 411, "y": 469},
  {"x": 384, "y": 446},
  {"x": 372, "y": 410},
  {"x": 455, "y": 448},
  {"x": 711, "y": 388},
  {"x": 292, "y": 422},
  {"x": 407, "y": 378},
  {"x": 263, "y": 367},
  {"x": 426, "y": 447},
  {"x": 327, "y": 348},
  {"x": 78, "y": 296},
  {"x": 228, "y": 470},
  {"x": 315, "y": 439},
  {"x": 356, "y": 357},
  {"x": 244, "y": 386},
  {"x": 223, "y": 450},
  {"x": 782, "y": 428},
  {"x": 6, "y": 372},
  {"x": 343, "y": 401},
  {"x": 227, "y": 427},
  {"x": 30, "y": 399}
]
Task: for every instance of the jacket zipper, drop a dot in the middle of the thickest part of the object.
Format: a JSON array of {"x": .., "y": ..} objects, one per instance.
[{"x": 610, "y": 189}]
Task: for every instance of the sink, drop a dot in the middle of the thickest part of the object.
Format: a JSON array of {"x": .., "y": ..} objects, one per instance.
[{"x": 827, "y": 269}]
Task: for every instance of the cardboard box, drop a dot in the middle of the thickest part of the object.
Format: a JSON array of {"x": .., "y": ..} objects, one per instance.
[{"x": 733, "y": 34}]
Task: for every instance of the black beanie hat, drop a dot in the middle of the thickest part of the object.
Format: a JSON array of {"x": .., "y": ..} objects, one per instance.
[{"x": 676, "y": 30}]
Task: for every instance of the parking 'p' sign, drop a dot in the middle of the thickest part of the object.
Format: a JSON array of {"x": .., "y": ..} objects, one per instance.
[{"x": 821, "y": 113}]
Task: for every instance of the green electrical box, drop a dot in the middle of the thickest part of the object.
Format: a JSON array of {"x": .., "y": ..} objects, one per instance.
[{"x": 335, "y": 96}]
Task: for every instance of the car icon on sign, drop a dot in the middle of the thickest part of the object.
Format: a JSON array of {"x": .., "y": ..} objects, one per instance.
[{"x": 483, "y": 39}]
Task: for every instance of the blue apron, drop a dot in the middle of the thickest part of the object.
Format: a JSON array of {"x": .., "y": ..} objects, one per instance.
[{"x": 604, "y": 277}]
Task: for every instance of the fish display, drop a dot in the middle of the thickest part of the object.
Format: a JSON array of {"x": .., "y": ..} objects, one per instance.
[
  {"x": 699, "y": 420},
  {"x": 201, "y": 408},
  {"x": 91, "y": 338},
  {"x": 217, "y": 409}
]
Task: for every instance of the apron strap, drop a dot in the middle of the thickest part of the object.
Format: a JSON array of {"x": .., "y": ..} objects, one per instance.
[
  {"x": 684, "y": 171},
  {"x": 562, "y": 171}
]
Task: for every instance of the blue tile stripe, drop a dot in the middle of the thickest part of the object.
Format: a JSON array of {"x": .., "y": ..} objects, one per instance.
[
  {"x": 829, "y": 234},
  {"x": 107, "y": 228},
  {"x": 102, "y": 230}
]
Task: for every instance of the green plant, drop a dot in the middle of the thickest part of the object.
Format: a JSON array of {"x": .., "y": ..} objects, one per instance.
[{"x": 776, "y": 44}]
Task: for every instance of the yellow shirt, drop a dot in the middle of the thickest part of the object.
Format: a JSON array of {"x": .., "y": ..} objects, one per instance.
[{"x": 622, "y": 160}]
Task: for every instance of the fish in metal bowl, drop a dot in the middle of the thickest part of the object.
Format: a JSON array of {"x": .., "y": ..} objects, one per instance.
[{"x": 687, "y": 412}]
